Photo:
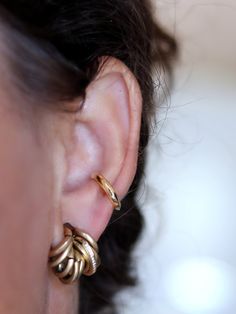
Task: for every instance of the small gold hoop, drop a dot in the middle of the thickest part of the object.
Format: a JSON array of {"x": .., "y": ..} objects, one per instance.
[{"x": 108, "y": 189}]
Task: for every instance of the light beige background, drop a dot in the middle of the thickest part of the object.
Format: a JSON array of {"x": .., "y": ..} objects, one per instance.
[{"x": 187, "y": 257}]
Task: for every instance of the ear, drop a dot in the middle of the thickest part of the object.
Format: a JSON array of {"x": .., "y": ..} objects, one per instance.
[{"x": 104, "y": 139}]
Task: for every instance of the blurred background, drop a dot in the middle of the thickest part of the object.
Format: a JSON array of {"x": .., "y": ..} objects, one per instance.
[{"x": 186, "y": 257}]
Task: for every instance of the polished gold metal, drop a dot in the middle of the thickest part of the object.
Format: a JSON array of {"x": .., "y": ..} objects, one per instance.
[
  {"x": 108, "y": 189},
  {"x": 75, "y": 255}
]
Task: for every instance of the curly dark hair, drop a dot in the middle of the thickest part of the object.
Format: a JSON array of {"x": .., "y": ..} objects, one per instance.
[{"x": 55, "y": 50}]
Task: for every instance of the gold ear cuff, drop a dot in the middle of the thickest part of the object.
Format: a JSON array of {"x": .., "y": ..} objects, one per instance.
[
  {"x": 77, "y": 253},
  {"x": 108, "y": 189}
]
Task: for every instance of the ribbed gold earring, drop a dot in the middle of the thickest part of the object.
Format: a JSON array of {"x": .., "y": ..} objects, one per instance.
[{"x": 75, "y": 255}]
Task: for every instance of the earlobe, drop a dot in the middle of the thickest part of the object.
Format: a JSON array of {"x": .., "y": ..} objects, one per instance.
[{"x": 105, "y": 140}]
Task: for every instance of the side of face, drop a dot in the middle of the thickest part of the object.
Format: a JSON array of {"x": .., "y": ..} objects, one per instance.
[
  {"x": 47, "y": 158},
  {"x": 26, "y": 198}
]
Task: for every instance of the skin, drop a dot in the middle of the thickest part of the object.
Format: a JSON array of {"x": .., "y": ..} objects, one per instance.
[{"x": 47, "y": 159}]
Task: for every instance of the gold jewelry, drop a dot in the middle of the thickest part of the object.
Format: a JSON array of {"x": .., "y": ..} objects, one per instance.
[
  {"x": 75, "y": 255},
  {"x": 108, "y": 189}
]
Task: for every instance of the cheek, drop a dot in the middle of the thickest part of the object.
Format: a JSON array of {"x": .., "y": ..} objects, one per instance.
[{"x": 25, "y": 201}]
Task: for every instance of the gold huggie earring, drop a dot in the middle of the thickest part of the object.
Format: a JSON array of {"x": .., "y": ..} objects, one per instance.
[
  {"x": 108, "y": 189},
  {"x": 77, "y": 253}
]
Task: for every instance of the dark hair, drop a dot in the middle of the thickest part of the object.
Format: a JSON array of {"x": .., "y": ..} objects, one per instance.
[{"x": 55, "y": 48}]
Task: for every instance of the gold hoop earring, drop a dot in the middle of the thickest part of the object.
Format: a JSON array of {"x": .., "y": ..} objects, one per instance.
[
  {"x": 108, "y": 189},
  {"x": 75, "y": 255}
]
